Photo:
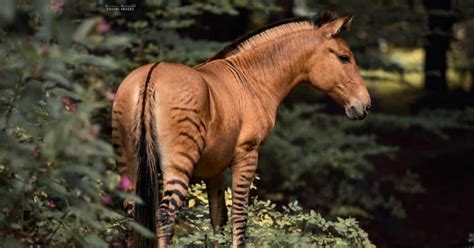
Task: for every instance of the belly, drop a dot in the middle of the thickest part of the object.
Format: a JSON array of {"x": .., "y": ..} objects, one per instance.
[
  {"x": 213, "y": 161},
  {"x": 217, "y": 155}
]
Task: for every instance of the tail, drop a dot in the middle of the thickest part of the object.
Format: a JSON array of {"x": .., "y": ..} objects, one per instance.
[{"x": 148, "y": 165}]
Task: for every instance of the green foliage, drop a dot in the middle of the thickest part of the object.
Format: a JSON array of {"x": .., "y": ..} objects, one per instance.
[
  {"x": 327, "y": 163},
  {"x": 268, "y": 227},
  {"x": 431, "y": 122},
  {"x": 55, "y": 172},
  {"x": 308, "y": 148}
]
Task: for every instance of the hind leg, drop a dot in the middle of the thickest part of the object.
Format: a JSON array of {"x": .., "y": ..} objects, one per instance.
[
  {"x": 217, "y": 207},
  {"x": 176, "y": 180}
]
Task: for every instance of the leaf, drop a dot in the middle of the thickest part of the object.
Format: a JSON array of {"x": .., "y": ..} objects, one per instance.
[
  {"x": 58, "y": 78},
  {"x": 130, "y": 197},
  {"x": 15, "y": 226},
  {"x": 11, "y": 242},
  {"x": 111, "y": 180},
  {"x": 95, "y": 241},
  {"x": 191, "y": 203},
  {"x": 7, "y": 11},
  {"x": 84, "y": 29}
]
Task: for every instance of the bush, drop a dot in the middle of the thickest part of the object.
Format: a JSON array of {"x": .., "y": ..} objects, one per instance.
[
  {"x": 327, "y": 161},
  {"x": 268, "y": 227}
]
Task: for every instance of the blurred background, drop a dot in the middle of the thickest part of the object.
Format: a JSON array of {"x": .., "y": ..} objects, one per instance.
[{"x": 405, "y": 173}]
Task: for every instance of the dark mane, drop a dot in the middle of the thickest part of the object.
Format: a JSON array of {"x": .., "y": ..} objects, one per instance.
[
  {"x": 317, "y": 21},
  {"x": 323, "y": 17}
]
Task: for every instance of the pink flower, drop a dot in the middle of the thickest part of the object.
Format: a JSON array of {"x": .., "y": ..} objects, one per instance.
[
  {"x": 58, "y": 5},
  {"x": 66, "y": 101},
  {"x": 44, "y": 50},
  {"x": 70, "y": 106},
  {"x": 125, "y": 183},
  {"x": 103, "y": 27},
  {"x": 36, "y": 152},
  {"x": 106, "y": 199},
  {"x": 52, "y": 204}
]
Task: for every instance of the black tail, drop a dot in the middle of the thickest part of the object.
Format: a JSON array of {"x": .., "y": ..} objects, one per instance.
[
  {"x": 147, "y": 190},
  {"x": 147, "y": 178}
]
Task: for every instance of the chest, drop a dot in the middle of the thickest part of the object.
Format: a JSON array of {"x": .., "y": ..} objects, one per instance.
[{"x": 257, "y": 124}]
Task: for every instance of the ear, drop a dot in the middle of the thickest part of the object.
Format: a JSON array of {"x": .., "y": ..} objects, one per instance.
[{"x": 334, "y": 28}]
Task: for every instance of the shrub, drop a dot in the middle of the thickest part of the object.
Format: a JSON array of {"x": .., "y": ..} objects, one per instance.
[{"x": 268, "y": 227}]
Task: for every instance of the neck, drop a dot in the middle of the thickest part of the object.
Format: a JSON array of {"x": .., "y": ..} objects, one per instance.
[{"x": 273, "y": 69}]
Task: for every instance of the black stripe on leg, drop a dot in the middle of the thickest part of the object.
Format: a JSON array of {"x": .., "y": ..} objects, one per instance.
[
  {"x": 245, "y": 177},
  {"x": 241, "y": 228},
  {"x": 238, "y": 198},
  {"x": 174, "y": 203},
  {"x": 239, "y": 204},
  {"x": 239, "y": 221},
  {"x": 242, "y": 192},
  {"x": 165, "y": 202},
  {"x": 240, "y": 232},
  {"x": 241, "y": 215},
  {"x": 175, "y": 192},
  {"x": 179, "y": 182},
  {"x": 248, "y": 171},
  {"x": 239, "y": 208},
  {"x": 244, "y": 185}
]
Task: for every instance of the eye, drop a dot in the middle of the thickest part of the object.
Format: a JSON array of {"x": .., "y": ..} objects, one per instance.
[{"x": 344, "y": 58}]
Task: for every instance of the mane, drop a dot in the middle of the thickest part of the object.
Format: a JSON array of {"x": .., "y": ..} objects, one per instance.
[{"x": 274, "y": 31}]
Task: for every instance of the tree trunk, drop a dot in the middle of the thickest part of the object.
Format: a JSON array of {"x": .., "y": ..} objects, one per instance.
[
  {"x": 472, "y": 80},
  {"x": 437, "y": 42}
]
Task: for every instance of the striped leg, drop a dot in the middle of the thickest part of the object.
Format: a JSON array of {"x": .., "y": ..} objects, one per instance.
[
  {"x": 178, "y": 169},
  {"x": 217, "y": 208},
  {"x": 175, "y": 180},
  {"x": 243, "y": 172}
]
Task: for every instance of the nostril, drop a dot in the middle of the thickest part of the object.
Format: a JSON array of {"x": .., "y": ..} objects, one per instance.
[
  {"x": 367, "y": 108},
  {"x": 353, "y": 111}
]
